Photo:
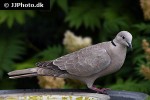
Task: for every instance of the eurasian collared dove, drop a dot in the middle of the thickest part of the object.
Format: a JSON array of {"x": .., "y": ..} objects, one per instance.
[{"x": 86, "y": 64}]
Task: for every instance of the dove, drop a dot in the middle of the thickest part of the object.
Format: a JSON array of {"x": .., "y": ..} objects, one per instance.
[{"x": 86, "y": 64}]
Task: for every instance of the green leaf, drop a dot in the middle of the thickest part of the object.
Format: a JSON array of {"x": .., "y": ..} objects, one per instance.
[
  {"x": 16, "y": 15},
  {"x": 24, "y": 65},
  {"x": 30, "y": 13},
  {"x": 142, "y": 27},
  {"x": 82, "y": 14},
  {"x": 2, "y": 18},
  {"x": 50, "y": 53},
  {"x": 11, "y": 48},
  {"x": 142, "y": 86},
  {"x": 10, "y": 20},
  {"x": 20, "y": 18},
  {"x": 115, "y": 25},
  {"x": 63, "y": 4},
  {"x": 109, "y": 14}
]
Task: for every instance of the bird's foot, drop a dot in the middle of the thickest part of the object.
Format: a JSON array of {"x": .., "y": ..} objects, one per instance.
[{"x": 100, "y": 90}]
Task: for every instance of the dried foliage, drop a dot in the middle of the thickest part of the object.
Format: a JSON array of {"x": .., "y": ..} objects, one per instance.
[
  {"x": 73, "y": 43},
  {"x": 145, "y": 71},
  {"x": 145, "y": 68},
  {"x": 50, "y": 82},
  {"x": 145, "y": 5}
]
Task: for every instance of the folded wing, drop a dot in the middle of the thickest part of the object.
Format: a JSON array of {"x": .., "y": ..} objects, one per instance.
[{"x": 84, "y": 62}]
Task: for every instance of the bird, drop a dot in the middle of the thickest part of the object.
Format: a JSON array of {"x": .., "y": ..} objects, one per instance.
[{"x": 85, "y": 65}]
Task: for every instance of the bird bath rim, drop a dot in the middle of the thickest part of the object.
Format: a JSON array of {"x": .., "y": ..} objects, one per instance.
[{"x": 114, "y": 95}]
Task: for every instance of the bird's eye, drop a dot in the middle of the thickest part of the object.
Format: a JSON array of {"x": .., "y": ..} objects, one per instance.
[{"x": 123, "y": 37}]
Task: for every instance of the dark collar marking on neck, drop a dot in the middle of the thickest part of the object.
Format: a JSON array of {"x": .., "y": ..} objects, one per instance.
[{"x": 113, "y": 43}]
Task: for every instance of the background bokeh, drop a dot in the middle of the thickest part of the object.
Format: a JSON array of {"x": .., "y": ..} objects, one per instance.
[{"x": 27, "y": 37}]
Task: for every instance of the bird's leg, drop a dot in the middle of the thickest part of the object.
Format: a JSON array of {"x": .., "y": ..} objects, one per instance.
[{"x": 99, "y": 90}]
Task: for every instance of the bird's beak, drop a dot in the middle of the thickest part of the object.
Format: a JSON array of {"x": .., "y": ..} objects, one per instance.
[{"x": 129, "y": 45}]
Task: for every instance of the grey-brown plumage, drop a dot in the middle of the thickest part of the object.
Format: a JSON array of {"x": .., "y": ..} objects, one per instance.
[{"x": 87, "y": 64}]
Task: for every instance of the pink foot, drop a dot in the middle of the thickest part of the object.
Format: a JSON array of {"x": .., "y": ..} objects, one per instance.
[{"x": 100, "y": 90}]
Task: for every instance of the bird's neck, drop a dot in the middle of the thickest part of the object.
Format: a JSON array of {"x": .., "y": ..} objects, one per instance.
[
  {"x": 113, "y": 43},
  {"x": 117, "y": 46}
]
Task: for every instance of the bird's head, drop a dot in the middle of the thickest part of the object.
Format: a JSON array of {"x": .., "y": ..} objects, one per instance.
[{"x": 124, "y": 38}]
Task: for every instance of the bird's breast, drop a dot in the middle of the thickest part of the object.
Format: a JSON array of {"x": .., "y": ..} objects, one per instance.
[{"x": 117, "y": 58}]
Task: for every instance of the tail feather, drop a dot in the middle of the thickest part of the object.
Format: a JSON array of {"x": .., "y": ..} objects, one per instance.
[
  {"x": 30, "y": 72},
  {"x": 23, "y": 73},
  {"x": 22, "y": 76}
]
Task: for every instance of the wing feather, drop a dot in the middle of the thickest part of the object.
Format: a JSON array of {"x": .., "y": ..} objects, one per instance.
[{"x": 84, "y": 62}]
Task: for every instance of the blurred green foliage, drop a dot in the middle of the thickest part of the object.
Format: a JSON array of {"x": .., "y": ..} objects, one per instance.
[
  {"x": 131, "y": 85},
  {"x": 9, "y": 17},
  {"x": 27, "y": 37},
  {"x": 11, "y": 47}
]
